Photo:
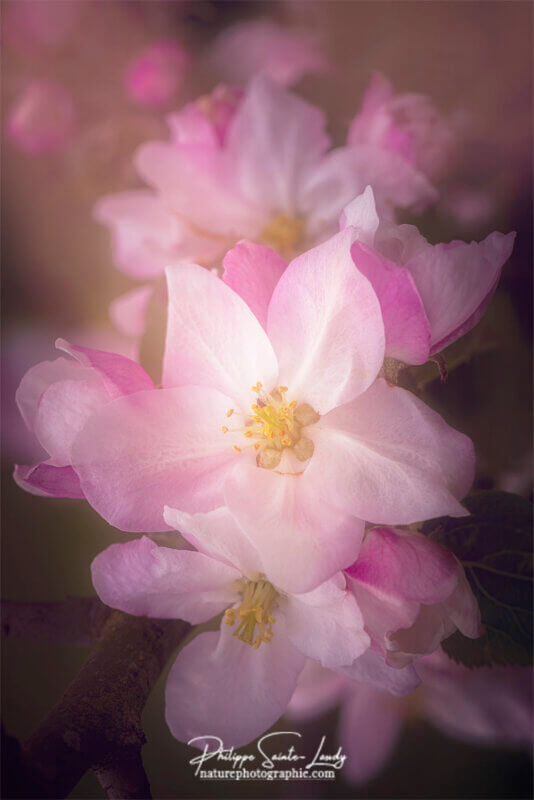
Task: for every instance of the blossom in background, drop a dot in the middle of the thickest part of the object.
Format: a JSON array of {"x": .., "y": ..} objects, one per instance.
[
  {"x": 407, "y": 125},
  {"x": 157, "y": 73},
  {"x": 489, "y": 706},
  {"x": 237, "y": 689},
  {"x": 55, "y": 398},
  {"x": 430, "y": 295},
  {"x": 287, "y": 425},
  {"x": 255, "y": 166},
  {"x": 263, "y": 47},
  {"x": 42, "y": 118}
]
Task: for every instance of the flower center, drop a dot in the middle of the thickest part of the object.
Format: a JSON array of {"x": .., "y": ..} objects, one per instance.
[
  {"x": 283, "y": 234},
  {"x": 276, "y": 425},
  {"x": 254, "y": 615}
]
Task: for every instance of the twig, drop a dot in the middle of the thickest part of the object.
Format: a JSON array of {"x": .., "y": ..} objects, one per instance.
[
  {"x": 97, "y": 722},
  {"x": 76, "y": 619}
]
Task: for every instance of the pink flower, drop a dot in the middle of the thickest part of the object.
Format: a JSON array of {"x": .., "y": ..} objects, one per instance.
[
  {"x": 413, "y": 593},
  {"x": 206, "y": 120},
  {"x": 319, "y": 442},
  {"x": 407, "y": 126},
  {"x": 430, "y": 295},
  {"x": 42, "y": 119},
  {"x": 255, "y": 167},
  {"x": 237, "y": 682},
  {"x": 156, "y": 74},
  {"x": 484, "y": 706},
  {"x": 55, "y": 398},
  {"x": 262, "y": 46}
]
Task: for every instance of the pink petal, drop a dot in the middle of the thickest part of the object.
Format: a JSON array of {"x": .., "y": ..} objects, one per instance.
[
  {"x": 198, "y": 182},
  {"x": 142, "y": 452},
  {"x": 261, "y": 46},
  {"x": 331, "y": 182},
  {"x": 220, "y": 686},
  {"x": 274, "y": 140},
  {"x": 405, "y": 565},
  {"x": 318, "y": 689},
  {"x": 455, "y": 280},
  {"x": 302, "y": 539},
  {"x": 146, "y": 234},
  {"x": 370, "y": 726},
  {"x": 46, "y": 480},
  {"x": 463, "y": 609},
  {"x": 326, "y": 326},
  {"x": 63, "y": 410},
  {"x": 120, "y": 375},
  {"x": 405, "y": 321},
  {"x": 213, "y": 338},
  {"x": 253, "y": 271},
  {"x": 37, "y": 379},
  {"x": 140, "y": 578},
  {"x": 331, "y": 633},
  {"x": 371, "y": 668},
  {"x": 128, "y": 311},
  {"x": 218, "y": 535},
  {"x": 390, "y": 459},
  {"x": 395, "y": 181},
  {"x": 361, "y": 214},
  {"x": 489, "y": 705}
]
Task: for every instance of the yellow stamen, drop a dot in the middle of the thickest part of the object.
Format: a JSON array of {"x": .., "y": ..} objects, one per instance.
[
  {"x": 236, "y": 448},
  {"x": 284, "y": 234},
  {"x": 254, "y": 615},
  {"x": 229, "y": 412},
  {"x": 224, "y": 429}
]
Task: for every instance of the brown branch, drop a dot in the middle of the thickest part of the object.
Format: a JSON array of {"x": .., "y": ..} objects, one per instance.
[
  {"x": 97, "y": 722},
  {"x": 76, "y": 619}
]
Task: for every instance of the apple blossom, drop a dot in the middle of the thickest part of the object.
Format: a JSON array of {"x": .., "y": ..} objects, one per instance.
[
  {"x": 255, "y": 167},
  {"x": 413, "y": 593},
  {"x": 234, "y": 683},
  {"x": 488, "y": 706},
  {"x": 288, "y": 426},
  {"x": 430, "y": 295},
  {"x": 55, "y": 398},
  {"x": 406, "y": 126},
  {"x": 262, "y": 46}
]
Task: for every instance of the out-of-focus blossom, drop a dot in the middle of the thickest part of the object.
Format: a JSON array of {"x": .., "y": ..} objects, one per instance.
[
  {"x": 430, "y": 295},
  {"x": 42, "y": 119},
  {"x": 128, "y": 314},
  {"x": 156, "y": 75},
  {"x": 406, "y": 124},
  {"x": 263, "y": 47},
  {"x": 413, "y": 593},
  {"x": 255, "y": 168},
  {"x": 207, "y": 119},
  {"x": 487, "y": 706},
  {"x": 55, "y": 398},
  {"x": 237, "y": 682},
  {"x": 287, "y": 425}
]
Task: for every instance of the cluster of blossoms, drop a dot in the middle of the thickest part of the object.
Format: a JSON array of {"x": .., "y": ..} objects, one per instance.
[{"x": 273, "y": 443}]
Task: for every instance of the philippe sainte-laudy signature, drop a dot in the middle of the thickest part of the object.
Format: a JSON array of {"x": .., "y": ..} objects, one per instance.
[{"x": 272, "y": 748}]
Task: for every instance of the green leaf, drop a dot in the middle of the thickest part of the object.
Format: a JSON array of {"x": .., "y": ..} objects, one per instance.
[{"x": 494, "y": 544}]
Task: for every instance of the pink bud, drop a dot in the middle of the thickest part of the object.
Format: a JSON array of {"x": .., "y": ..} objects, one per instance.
[
  {"x": 42, "y": 119},
  {"x": 156, "y": 74}
]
